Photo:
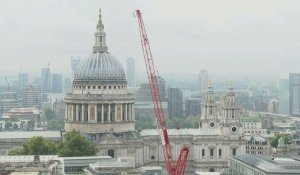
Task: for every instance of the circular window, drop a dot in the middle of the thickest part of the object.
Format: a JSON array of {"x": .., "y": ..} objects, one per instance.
[
  {"x": 212, "y": 124},
  {"x": 234, "y": 129}
]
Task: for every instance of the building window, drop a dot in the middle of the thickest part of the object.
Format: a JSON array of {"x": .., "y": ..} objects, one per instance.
[
  {"x": 94, "y": 87},
  {"x": 220, "y": 152},
  {"x": 104, "y": 87},
  {"x": 203, "y": 152},
  {"x": 89, "y": 87},
  {"x": 99, "y": 87},
  {"x": 109, "y": 87},
  {"x": 152, "y": 157},
  {"x": 211, "y": 152},
  {"x": 233, "y": 151}
]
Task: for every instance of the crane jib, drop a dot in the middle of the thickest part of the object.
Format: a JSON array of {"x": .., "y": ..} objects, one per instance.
[{"x": 172, "y": 169}]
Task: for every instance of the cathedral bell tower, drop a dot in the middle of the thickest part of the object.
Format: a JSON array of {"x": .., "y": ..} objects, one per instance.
[
  {"x": 231, "y": 123},
  {"x": 209, "y": 114}
]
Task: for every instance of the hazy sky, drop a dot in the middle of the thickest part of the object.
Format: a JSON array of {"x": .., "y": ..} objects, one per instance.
[{"x": 225, "y": 37}]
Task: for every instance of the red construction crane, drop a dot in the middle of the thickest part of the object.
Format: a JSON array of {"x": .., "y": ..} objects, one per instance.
[{"x": 172, "y": 167}]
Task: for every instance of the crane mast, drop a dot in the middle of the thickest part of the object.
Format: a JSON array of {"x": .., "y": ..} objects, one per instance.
[{"x": 172, "y": 167}]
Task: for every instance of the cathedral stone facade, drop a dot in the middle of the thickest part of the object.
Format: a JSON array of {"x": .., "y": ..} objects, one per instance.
[{"x": 101, "y": 107}]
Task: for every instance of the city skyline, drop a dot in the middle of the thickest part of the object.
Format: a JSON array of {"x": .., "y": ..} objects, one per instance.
[{"x": 262, "y": 38}]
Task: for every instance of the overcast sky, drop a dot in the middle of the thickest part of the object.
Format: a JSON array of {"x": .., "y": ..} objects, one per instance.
[{"x": 224, "y": 37}]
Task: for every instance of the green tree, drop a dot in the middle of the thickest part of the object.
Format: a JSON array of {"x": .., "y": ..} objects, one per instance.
[
  {"x": 75, "y": 144},
  {"x": 50, "y": 114},
  {"x": 274, "y": 140},
  {"x": 56, "y": 124},
  {"x": 30, "y": 125},
  {"x": 15, "y": 152},
  {"x": 35, "y": 146},
  {"x": 8, "y": 125},
  {"x": 16, "y": 126}
]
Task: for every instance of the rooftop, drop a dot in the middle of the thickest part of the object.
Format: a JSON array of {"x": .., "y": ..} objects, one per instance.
[
  {"x": 29, "y": 134},
  {"x": 265, "y": 163},
  {"x": 175, "y": 132}
]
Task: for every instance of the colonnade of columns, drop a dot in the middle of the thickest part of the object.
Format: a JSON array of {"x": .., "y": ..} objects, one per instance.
[{"x": 100, "y": 113}]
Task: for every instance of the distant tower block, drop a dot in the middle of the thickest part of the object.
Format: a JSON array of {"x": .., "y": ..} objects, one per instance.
[{"x": 130, "y": 72}]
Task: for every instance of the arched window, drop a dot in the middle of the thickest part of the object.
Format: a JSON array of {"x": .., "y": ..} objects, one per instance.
[
  {"x": 203, "y": 152},
  {"x": 211, "y": 170}
]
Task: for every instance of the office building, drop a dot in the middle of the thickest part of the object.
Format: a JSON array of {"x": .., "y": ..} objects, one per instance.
[
  {"x": 32, "y": 96},
  {"x": 175, "y": 102},
  {"x": 193, "y": 107},
  {"x": 202, "y": 81},
  {"x": 8, "y": 100},
  {"x": 294, "y": 94},
  {"x": 283, "y": 96},
  {"x": 130, "y": 72},
  {"x": 57, "y": 83},
  {"x": 22, "y": 80},
  {"x": 46, "y": 80}
]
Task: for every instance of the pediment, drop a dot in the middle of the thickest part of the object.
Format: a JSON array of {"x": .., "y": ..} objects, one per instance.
[{"x": 110, "y": 139}]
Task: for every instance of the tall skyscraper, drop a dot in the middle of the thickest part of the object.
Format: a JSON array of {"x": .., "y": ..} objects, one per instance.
[
  {"x": 202, "y": 81},
  {"x": 294, "y": 94},
  {"x": 283, "y": 87},
  {"x": 22, "y": 80},
  {"x": 74, "y": 63},
  {"x": 56, "y": 83},
  {"x": 46, "y": 79},
  {"x": 32, "y": 96},
  {"x": 130, "y": 72},
  {"x": 175, "y": 102}
]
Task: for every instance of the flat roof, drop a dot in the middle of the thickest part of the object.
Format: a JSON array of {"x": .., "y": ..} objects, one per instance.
[
  {"x": 29, "y": 134},
  {"x": 85, "y": 157},
  {"x": 271, "y": 166},
  {"x": 175, "y": 132}
]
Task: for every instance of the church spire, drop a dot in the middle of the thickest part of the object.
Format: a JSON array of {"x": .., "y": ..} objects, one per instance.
[{"x": 100, "y": 37}]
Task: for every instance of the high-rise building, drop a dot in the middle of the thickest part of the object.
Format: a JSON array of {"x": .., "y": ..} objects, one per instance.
[
  {"x": 162, "y": 88},
  {"x": 175, "y": 102},
  {"x": 74, "y": 63},
  {"x": 46, "y": 79},
  {"x": 283, "y": 96},
  {"x": 22, "y": 80},
  {"x": 32, "y": 95},
  {"x": 8, "y": 100},
  {"x": 273, "y": 106},
  {"x": 57, "y": 83},
  {"x": 143, "y": 93},
  {"x": 193, "y": 107},
  {"x": 202, "y": 81},
  {"x": 130, "y": 72},
  {"x": 294, "y": 94},
  {"x": 68, "y": 85}
]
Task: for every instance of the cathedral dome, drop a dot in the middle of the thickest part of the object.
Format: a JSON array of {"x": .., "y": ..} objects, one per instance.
[{"x": 100, "y": 67}]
